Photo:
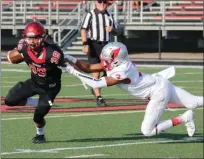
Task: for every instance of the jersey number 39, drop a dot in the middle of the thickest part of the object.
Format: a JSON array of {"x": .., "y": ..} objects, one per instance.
[{"x": 38, "y": 70}]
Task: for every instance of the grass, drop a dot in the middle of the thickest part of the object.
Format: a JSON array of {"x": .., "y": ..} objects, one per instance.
[{"x": 99, "y": 134}]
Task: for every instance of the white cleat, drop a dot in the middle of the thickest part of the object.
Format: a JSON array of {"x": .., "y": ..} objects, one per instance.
[{"x": 188, "y": 117}]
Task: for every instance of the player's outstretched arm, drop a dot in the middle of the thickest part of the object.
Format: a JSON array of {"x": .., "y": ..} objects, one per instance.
[
  {"x": 83, "y": 66},
  {"x": 93, "y": 82}
]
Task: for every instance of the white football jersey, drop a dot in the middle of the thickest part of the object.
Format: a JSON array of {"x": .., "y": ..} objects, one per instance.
[{"x": 140, "y": 85}]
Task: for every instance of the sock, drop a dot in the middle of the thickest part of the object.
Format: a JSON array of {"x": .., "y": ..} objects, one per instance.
[
  {"x": 163, "y": 125},
  {"x": 177, "y": 120},
  {"x": 166, "y": 124},
  {"x": 40, "y": 131},
  {"x": 32, "y": 102}
]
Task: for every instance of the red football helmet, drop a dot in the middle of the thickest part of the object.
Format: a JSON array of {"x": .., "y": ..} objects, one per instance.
[{"x": 34, "y": 34}]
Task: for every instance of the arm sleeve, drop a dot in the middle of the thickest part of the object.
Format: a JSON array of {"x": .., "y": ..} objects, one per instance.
[
  {"x": 86, "y": 21},
  {"x": 92, "y": 82}
]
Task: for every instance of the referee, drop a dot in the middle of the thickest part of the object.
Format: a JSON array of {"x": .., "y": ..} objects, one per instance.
[{"x": 96, "y": 29}]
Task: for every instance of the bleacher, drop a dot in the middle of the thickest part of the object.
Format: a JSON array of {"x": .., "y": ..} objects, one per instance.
[
  {"x": 185, "y": 14},
  {"x": 62, "y": 17},
  {"x": 185, "y": 11},
  {"x": 19, "y": 12}
]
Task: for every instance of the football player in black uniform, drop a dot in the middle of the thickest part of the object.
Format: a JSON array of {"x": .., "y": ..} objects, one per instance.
[{"x": 43, "y": 58}]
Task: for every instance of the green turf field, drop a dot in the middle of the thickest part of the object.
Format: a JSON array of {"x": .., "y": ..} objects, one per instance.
[{"x": 112, "y": 134}]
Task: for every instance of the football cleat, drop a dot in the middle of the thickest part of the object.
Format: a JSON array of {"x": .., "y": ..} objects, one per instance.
[
  {"x": 38, "y": 139},
  {"x": 100, "y": 101},
  {"x": 188, "y": 117}
]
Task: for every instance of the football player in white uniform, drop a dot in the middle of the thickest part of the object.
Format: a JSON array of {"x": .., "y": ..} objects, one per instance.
[{"x": 123, "y": 73}]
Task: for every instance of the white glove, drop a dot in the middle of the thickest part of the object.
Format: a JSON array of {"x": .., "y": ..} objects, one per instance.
[
  {"x": 70, "y": 58},
  {"x": 71, "y": 70}
]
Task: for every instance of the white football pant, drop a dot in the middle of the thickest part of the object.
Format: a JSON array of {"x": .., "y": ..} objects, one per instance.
[{"x": 165, "y": 92}]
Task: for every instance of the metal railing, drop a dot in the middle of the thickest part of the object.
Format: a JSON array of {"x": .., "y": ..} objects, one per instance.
[
  {"x": 16, "y": 14},
  {"x": 69, "y": 24}
]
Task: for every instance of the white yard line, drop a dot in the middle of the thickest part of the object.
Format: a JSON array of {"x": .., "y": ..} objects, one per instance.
[
  {"x": 6, "y": 86},
  {"x": 71, "y": 76},
  {"x": 11, "y": 82},
  {"x": 193, "y": 81},
  {"x": 55, "y": 150},
  {"x": 66, "y": 85},
  {"x": 190, "y": 73},
  {"x": 85, "y": 156},
  {"x": 71, "y": 85},
  {"x": 15, "y": 70},
  {"x": 75, "y": 85},
  {"x": 65, "y": 115},
  {"x": 5, "y": 77},
  {"x": 68, "y": 75},
  {"x": 138, "y": 65},
  {"x": 16, "y": 77},
  {"x": 75, "y": 115},
  {"x": 92, "y": 95},
  {"x": 166, "y": 66}
]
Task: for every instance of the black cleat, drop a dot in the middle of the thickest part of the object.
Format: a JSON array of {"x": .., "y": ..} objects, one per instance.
[
  {"x": 100, "y": 101},
  {"x": 38, "y": 139}
]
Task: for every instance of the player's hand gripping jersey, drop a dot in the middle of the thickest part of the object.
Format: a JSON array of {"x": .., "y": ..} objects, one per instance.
[{"x": 44, "y": 70}]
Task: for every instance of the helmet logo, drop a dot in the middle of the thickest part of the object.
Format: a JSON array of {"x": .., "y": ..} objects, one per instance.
[{"x": 115, "y": 53}]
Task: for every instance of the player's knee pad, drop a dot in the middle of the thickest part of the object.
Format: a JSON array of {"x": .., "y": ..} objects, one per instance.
[
  {"x": 147, "y": 130},
  {"x": 40, "y": 112},
  {"x": 11, "y": 98}
]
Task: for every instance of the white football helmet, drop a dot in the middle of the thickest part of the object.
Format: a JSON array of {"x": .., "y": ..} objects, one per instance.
[{"x": 113, "y": 54}]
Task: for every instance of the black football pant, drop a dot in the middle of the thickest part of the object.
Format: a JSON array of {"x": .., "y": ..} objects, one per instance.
[{"x": 22, "y": 90}]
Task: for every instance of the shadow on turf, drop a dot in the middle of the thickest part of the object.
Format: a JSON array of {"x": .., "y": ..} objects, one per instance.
[
  {"x": 197, "y": 138},
  {"x": 137, "y": 136}
]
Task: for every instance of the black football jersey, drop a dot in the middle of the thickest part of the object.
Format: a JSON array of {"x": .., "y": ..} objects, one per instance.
[{"x": 44, "y": 65}]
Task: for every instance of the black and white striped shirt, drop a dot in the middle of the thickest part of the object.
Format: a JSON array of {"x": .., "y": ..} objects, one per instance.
[{"x": 95, "y": 22}]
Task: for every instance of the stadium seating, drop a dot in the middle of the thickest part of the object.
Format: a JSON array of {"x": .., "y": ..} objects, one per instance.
[
  {"x": 63, "y": 4},
  {"x": 186, "y": 10},
  {"x": 67, "y": 14}
]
